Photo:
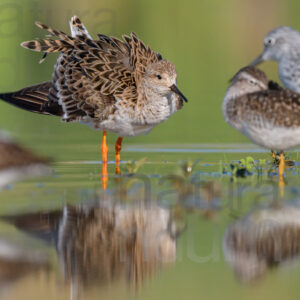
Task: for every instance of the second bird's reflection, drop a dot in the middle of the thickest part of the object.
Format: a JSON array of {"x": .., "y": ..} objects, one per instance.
[{"x": 262, "y": 240}]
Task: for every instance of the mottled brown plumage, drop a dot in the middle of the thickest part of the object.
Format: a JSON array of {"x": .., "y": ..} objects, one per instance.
[
  {"x": 90, "y": 76},
  {"x": 278, "y": 107},
  {"x": 267, "y": 113}
]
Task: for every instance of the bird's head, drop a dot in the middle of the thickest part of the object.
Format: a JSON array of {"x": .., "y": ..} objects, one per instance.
[
  {"x": 249, "y": 80},
  {"x": 161, "y": 78},
  {"x": 278, "y": 43}
]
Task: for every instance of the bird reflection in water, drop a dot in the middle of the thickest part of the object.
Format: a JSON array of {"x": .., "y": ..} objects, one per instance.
[
  {"x": 17, "y": 261},
  {"x": 103, "y": 243},
  {"x": 264, "y": 239}
]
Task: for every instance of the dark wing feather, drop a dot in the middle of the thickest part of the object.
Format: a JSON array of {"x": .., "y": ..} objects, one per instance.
[{"x": 35, "y": 99}]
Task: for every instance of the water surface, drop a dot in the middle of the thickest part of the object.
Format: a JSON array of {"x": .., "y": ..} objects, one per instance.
[{"x": 182, "y": 224}]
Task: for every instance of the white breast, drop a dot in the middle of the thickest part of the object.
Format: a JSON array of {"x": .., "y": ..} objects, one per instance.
[
  {"x": 127, "y": 122},
  {"x": 270, "y": 137}
]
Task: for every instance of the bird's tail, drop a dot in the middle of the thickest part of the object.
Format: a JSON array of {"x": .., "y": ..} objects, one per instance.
[
  {"x": 78, "y": 29},
  {"x": 35, "y": 98}
]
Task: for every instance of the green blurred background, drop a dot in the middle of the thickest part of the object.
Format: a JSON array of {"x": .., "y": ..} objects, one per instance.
[{"x": 208, "y": 41}]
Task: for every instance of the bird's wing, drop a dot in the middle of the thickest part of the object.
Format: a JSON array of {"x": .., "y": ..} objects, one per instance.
[
  {"x": 89, "y": 73},
  {"x": 280, "y": 108}
]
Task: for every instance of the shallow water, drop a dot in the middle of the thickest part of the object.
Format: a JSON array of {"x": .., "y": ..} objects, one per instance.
[{"x": 182, "y": 224}]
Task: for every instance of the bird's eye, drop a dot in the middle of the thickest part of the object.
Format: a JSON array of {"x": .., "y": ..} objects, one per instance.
[
  {"x": 252, "y": 82},
  {"x": 158, "y": 77},
  {"x": 269, "y": 42}
]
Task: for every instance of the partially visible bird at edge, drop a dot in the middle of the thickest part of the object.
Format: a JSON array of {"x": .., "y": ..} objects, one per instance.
[
  {"x": 282, "y": 44},
  {"x": 17, "y": 162},
  {"x": 121, "y": 86}
]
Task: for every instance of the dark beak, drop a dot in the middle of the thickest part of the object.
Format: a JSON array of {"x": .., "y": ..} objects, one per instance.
[
  {"x": 175, "y": 89},
  {"x": 257, "y": 61}
]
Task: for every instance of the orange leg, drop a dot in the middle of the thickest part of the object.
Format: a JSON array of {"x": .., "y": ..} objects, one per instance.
[
  {"x": 281, "y": 170},
  {"x": 104, "y": 150},
  {"x": 118, "y": 148},
  {"x": 281, "y": 166}
]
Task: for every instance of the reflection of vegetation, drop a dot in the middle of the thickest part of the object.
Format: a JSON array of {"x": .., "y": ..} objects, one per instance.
[
  {"x": 132, "y": 167},
  {"x": 187, "y": 167},
  {"x": 242, "y": 168},
  {"x": 191, "y": 193}
]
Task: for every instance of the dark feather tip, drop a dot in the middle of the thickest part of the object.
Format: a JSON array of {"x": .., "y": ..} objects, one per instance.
[{"x": 43, "y": 57}]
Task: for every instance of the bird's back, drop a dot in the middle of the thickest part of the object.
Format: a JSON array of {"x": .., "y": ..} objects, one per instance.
[{"x": 279, "y": 108}]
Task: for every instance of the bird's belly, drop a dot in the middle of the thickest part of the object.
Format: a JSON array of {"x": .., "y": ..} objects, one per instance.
[
  {"x": 128, "y": 123},
  {"x": 128, "y": 129},
  {"x": 275, "y": 138},
  {"x": 120, "y": 127}
]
